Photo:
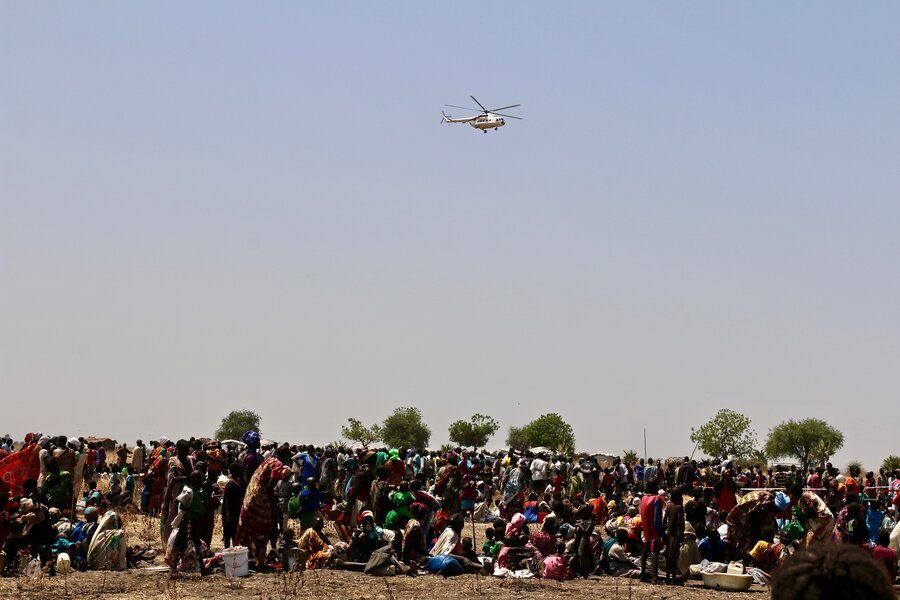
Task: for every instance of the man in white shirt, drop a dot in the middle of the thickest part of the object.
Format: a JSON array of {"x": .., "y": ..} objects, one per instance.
[{"x": 539, "y": 468}]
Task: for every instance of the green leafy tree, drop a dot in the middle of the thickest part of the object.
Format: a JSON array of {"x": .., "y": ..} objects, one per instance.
[
  {"x": 517, "y": 438},
  {"x": 549, "y": 430},
  {"x": 237, "y": 423},
  {"x": 806, "y": 440},
  {"x": 357, "y": 432},
  {"x": 891, "y": 463},
  {"x": 404, "y": 428},
  {"x": 726, "y": 435},
  {"x": 629, "y": 457},
  {"x": 474, "y": 432}
]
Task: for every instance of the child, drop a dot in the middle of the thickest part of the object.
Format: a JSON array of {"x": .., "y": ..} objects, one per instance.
[
  {"x": 490, "y": 548},
  {"x": 468, "y": 549},
  {"x": 232, "y": 500},
  {"x": 556, "y": 566},
  {"x": 673, "y": 523},
  {"x": 187, "y": 524}
]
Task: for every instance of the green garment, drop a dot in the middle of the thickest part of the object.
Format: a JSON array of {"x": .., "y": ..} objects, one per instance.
[
  {"x": 490, "y": 548},
  {"x": 402, "y": 501},
  {"x": 380, "y": 459}
]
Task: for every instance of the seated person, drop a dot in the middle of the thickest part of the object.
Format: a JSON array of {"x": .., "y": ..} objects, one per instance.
[
  {"x": 315, "y": 543},
  {"x": 556, "y": 566},
  {"x": 767, "y": 555},
  {"x": 712, "y": 548},
  {"x": 622, "y": 564},
  {"x": 490, "y": 548},
  {"x": 886, "y": 555}
]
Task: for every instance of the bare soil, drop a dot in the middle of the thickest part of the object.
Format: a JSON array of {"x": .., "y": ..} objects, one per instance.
[{"x": 343, "y": 585}]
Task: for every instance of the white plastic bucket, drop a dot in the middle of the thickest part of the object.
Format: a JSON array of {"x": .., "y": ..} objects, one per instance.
[
  {"x": 63, "y": 563},
  {"x": 236, "y": 561}
]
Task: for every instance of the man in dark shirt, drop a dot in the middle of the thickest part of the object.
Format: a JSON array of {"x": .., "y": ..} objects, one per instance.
[
  {"x": 673, "y": 523},
  {"x": 232, "y": 499}
]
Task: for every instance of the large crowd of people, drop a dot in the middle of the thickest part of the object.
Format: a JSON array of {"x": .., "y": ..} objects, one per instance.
[{"x": 393, "y": 511}]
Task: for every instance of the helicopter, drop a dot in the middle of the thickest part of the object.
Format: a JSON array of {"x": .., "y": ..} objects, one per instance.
[{"x": 487, "y": 119}]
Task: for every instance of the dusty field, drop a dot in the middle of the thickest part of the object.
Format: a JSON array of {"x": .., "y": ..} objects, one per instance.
[{"x": 343, "y": 585}]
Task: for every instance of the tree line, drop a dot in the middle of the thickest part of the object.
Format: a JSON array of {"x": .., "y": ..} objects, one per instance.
[
  {"x": 405, "y": 428},
  {"x": 728, "y": 434}
]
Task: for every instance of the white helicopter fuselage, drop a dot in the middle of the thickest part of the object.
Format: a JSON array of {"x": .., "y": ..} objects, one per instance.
[
  {"x": 483, "y": 121},
  {"x": 488, "y": 121}
]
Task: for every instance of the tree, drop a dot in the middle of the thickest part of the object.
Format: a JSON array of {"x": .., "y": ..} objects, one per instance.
[
  {"x": 357, "y": 432},
  {"x": 891, "y": 463},
  {"x": 806, "y": 440},
  {"x": 549, "y": 430},
  {"x": 404, "y": 429},
  {"x": 629, "y": 457},
  {"x": 237, "y": 423},
  {"x": 475, "y": 432},
  {"x": 726, "y": 435},
  {"x": 517, "y": 438}
]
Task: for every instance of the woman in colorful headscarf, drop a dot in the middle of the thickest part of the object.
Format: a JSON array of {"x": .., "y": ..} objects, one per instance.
[
  {"x": 817, "y": 519},
  {"x": 252, "y": 459},
  {"x": 746, "y": 521},
  {"x": 726, "y": 488},
  {"x": 154, "y": 481},
  {"x": 257, "y": 521},
  {"x": 107, "y": 545}
]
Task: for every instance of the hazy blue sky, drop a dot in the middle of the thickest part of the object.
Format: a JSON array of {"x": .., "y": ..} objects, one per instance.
[{"x": 213, "y": 206}]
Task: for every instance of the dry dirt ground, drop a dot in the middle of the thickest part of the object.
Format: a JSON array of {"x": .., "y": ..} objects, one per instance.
[
  {"x": 344, "y": 585},
  {"x": 146, "y": 584}
]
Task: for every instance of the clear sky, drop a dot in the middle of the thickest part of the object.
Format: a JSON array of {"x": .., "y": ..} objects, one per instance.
[{"x": 214, "y": 206}]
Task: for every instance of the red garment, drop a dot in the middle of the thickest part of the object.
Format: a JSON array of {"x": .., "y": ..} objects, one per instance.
[
  {"x": 397, "y": 471},
  {"x": 651, "y": 517},
  {"x": 888, "y": 558},
  {"x": 601, "y": 512},
  {"x": 19, "y": 466}
]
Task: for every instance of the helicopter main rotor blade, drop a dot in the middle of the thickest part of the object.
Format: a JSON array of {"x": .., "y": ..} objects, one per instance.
[
  {"x": 479, "y": 104},
  {"x": 494, "y": 110},
  {"x": 507, "y": 116},
  {"x": 462, "y": 107}
]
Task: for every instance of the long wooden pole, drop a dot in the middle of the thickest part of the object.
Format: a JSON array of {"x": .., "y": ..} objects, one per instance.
[{"x": 645, "y": 443}]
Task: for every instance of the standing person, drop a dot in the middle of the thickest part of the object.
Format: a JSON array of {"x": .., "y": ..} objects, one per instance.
[
  {"x": 189, "y": 507},
  {"x": 673, "y": 523},
  {"x": 232, "y": 499},
  {"x": 65, "y": 454},
  {"x": 257, "y": 520},
  {"x": 179, "y": 467},
  {"x": 639, "y": 475},
  {"x": 46, "y": 457},
  {"x": 100, "y": 460},
  {"x": 650, "y": 477},
  {"x": 137, "y": 457},
  {"x": 652, "y": 524},
  {"x": 726, "y": 488},
  {"x": 252, "y": 458},
  {"x": 121, "y": 458},
  {"x": 539, "y": 469}
]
